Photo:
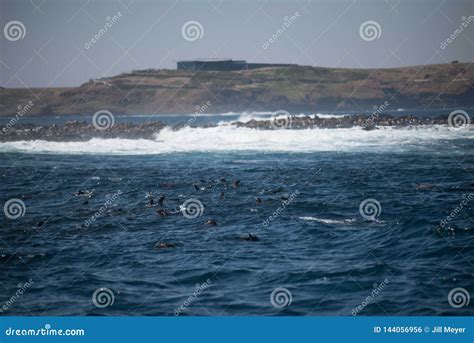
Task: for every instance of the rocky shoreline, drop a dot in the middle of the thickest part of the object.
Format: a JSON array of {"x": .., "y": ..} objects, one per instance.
[
  {"x": 367, "y": 122},
  {"x": 75, "y": 131},
  {"x": 83, "y": 131}
]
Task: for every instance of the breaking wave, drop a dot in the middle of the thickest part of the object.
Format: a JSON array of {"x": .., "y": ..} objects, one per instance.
[
  {"x": 328, "y": 221},
  {"x": 231, "y": 138}
]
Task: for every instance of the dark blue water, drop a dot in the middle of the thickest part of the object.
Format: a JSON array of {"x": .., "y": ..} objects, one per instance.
[{"x": 318, "y": 245}]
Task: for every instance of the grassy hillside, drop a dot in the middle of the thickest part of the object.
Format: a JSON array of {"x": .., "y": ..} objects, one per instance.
[{"x": 293, "y": 89}]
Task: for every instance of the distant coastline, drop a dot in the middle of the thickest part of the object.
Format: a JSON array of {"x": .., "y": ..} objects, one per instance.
[{"x": 297, "y": 89}]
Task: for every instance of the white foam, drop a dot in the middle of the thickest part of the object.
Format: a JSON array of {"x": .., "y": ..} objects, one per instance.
[
  {"x": 231, "y": 138},
  {"x": 328, "y": 221},
  {"x": 325, "y": 116},
  {"x": 247, "y": 116}
]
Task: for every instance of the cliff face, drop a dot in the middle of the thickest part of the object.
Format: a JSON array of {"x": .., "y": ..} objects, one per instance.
[{"x": 302, "y": 88}]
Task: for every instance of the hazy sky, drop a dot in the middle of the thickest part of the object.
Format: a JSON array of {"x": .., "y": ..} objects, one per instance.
[{"x": 148, "y": 34}]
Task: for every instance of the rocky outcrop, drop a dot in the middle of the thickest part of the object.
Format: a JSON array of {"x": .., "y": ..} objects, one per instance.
[
  {"x": 364, "y": 121},
  {"x": 82, "y": 131},
  {"x": 79, "y": 131}
]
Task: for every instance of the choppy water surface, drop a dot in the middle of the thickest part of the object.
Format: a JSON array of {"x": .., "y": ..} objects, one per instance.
[{"x": 315, "y": 247}]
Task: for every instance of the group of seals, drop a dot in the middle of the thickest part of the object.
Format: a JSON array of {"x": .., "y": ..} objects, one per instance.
[{"x": 198, "y": 186}]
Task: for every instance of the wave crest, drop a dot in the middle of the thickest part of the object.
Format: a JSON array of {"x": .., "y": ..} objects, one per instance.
[{"x": 231, "y": 138}]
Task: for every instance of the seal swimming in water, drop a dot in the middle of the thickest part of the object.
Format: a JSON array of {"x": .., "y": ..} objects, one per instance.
[
  {"x": 164, "y": 245},
  {"x": 249, "y": 238},
  {"x": 162, "y": 213},
  {"x": 84, "y": 193},
  {"x": 258, "y": 200},
  {"x": 236, "y": 183},
  {"x": 424, "y": 186},
  {"x": 211, "y": 222},
  {"x": 161, "y": 199}
]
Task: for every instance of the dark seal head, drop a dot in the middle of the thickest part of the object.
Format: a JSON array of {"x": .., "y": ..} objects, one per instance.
[
  {"x": 249, "y": 238},
  {"x": 162, "y": 212},
  {"x": 161, "y": 199}
]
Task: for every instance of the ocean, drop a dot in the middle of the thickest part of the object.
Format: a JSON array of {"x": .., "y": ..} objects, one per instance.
[{"x": 323, "y": 222}]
